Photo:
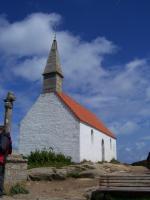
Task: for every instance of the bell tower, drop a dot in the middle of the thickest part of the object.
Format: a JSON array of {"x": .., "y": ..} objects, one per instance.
[{"x": 53, "y": 76}]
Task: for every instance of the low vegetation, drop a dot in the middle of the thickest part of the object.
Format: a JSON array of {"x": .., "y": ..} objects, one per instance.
[
  {"x": 114, "y": 161},
  {"x": 18, "y": 189},
  {"x": 74, "y": 175},
  {"x": 46, "y": 158}
]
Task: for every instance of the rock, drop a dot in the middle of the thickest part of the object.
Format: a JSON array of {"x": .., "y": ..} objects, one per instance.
[
  {"x": 41, "y": 174},
  {"x": 89, "y": 191},
  {"x": 62, "y": 171},
  {"x": 15, "y": 158},
  {"x": 58, "y": 176},
  {"x": 84, "y": 170},
  {"x": 88, "y": 174},
  {"x": 89, "y": 165}
]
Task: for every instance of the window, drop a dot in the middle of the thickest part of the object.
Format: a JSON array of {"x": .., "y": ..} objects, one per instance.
[
  {"x": 110, "y": 144},
  {"x": 92, "y": 136},
  {"x": 103, "y": 150}
]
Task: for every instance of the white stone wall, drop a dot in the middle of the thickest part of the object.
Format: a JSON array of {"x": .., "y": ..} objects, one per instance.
[
  {"x": 49, "y": 123},
  {"x": 91, "y": 144}
]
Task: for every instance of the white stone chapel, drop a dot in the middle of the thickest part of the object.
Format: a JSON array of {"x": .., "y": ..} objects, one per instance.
[{"x": 57, "y": 121}]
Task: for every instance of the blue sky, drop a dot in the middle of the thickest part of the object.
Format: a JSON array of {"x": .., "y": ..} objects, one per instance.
[{"x": 105, "y": 56}]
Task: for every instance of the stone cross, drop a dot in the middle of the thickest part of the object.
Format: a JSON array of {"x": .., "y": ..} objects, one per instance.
[{"x": 10, "y": 98}]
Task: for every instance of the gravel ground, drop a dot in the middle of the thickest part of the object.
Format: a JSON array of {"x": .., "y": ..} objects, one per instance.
[{"x": 70, "y": 189}]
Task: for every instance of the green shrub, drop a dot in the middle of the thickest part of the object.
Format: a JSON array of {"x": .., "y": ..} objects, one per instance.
[
  {"x": 100, "y": 162},
  {"x": 114, "y": 161},
  {"x": 74, "y": 175},
  {"x": 18, "y": 189},
  {"x": 45, "y": 158}
]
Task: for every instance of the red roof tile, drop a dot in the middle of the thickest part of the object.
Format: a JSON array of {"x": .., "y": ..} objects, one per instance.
[{"x": 84, "y": 114}]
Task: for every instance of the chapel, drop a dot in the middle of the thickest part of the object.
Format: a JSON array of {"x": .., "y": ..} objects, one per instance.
[{"x": 59, "y": 122}]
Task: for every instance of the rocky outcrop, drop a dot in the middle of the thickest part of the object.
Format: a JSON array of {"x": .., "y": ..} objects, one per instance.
[
  {"x": 85, "y": 170},
  {"x": 51, "y": 173}
]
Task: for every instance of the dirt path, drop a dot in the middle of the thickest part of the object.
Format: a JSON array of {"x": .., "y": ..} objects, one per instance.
[{"x": 70, "y": 189}]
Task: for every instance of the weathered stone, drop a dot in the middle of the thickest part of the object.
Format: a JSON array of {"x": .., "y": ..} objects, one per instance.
[
  {"x": 89, "y": 191},
  {"x": 39, "y": 174},
  {"x": 87, "y": 174},
  {"x": 8, "y": 111},
  {"x": 15, "y": 170},
  {"x": 58, "y": 176},
  {"x": 62, "y": 171}
]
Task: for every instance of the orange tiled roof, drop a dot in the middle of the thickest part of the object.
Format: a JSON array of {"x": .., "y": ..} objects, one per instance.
[{"x": 84, "y": 114}]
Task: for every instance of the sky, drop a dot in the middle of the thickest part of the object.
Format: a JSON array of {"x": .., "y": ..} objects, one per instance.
[{"x": 105, "y": 57}]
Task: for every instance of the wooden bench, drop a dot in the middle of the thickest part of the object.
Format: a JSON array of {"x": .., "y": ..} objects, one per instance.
[
  {"x": 126, "y": 187},
  {"x": 129, "y": 183}
]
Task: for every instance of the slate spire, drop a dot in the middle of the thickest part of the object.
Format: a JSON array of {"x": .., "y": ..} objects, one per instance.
[{"x": 53, "y": 76}]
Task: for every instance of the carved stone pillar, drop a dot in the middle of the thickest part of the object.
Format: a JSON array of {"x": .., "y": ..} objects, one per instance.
[{"x": 10, "y": 98}]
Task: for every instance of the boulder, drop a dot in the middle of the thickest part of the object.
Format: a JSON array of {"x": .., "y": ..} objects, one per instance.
[
  {"x": 39, "y": 174},
  {"x": 87, "y": 174}
]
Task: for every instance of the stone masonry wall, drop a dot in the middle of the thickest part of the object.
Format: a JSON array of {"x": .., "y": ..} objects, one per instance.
[
  {"x": 15, "y": 170},
  {"x": 50, "y": 124}
]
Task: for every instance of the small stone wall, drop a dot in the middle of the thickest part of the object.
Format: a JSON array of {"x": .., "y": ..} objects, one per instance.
[{"x": 15, "y": 170}]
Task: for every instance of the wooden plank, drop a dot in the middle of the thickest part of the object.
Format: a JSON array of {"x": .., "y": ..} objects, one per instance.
[
  {"x": 125, "y": 177},
  {"x": 125, "y": 185},
  {"x": 124, "y": 181},
  {"x": 128, "y": 185},
  {"x": 125, "y": 189}
]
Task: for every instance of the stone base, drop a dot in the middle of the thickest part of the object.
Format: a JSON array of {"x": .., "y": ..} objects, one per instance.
[{"x": 15, "y": 170}]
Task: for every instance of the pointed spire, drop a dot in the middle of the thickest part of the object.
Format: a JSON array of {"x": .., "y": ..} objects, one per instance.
[
  {"x": 53, "y": 61},
  {"x": 53, "y": 76}
]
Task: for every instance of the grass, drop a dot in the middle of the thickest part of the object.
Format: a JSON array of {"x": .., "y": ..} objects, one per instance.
[
  {"x": 46, "y": 158},
  {"x": 18, "y": 189},
  {"x": 74, "y": 175}
]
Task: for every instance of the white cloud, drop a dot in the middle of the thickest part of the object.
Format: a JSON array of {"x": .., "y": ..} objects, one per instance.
[
  {"x": 135, "y": 64},
  {"x": 140, "y": 145},
  {"x": 31, "y": 69},
  {"x": 128, "y": 127},
  {"x": 148, "y": 93},
  {"x": 128, "y": 149},
  {"x": 145, "y": 111},
  {"x": 146, "y": 138},
  {"x": 29, "y": 36}
]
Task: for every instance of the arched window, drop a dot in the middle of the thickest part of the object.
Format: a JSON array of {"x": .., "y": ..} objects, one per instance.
[
  {"x": 103, "y": 150},
  {"x": 92, "y": 136},
  {"x": 110, "y": 144}
]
